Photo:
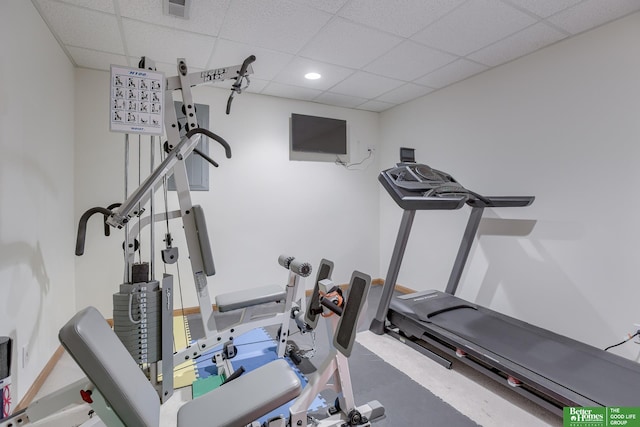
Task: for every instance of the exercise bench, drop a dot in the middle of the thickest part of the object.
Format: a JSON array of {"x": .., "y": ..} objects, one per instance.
[{"x": 123, "y": 396}]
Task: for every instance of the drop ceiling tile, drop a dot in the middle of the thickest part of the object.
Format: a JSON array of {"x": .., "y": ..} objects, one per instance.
[
  {"x": 205, "y": 17},
  {"x": 81, "y": 27},
  {"x": 294, "y": 73},
  {"x": 348, "y": 44},
  {"x": 408, "y": 61},
  {"x": 96, "y": 60},
  {"x": 164, "y": 44},
  {"x": 404, "y": 93},
  {"x": 544, "y": 8},
  {"x": 474, "y": 25},
  {"x": 168, "y": 68},
  {"x": 375, "y": 106},
  {"x": 451, "y": 73},
  {"x": 276, "y": 24},
  {"x": 288, "y": 91},
  {"x": 256, "y": 85},
  {"x": 365, "y": 85},
  {"x": 101, "y": 5},
  {"x": 592, "y": 13},
  {"x": 340, "y": 100},
  {"x": 268, "y": 62},
  {"x": 526, "y": 41},
  {"x": 402, "y": 17},
  {"x": 331, "y": 6}
]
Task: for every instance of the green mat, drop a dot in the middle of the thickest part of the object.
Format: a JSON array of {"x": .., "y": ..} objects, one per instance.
[{"x": 204, "y": 385}]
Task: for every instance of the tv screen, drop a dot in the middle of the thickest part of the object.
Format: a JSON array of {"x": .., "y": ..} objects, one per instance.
[{"x": 318, "y": 134}]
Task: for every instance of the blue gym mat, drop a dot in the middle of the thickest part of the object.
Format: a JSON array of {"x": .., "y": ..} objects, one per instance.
[{"x": 254, "y": 349}]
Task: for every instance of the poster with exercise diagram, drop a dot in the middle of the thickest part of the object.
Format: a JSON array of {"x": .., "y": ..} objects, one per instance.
[{"x": 136, "y": 101}]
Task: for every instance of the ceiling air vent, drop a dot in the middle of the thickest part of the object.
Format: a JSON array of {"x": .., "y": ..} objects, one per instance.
[{"x": 179, "y": 8}]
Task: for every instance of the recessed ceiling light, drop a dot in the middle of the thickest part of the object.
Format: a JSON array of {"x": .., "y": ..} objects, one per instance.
[{"x": 312, "y": 76}]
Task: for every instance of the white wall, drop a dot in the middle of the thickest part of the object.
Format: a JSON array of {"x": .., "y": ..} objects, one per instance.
[
  {"x": 259, "y": 205},
  {"x": 36, "y": 189},
  {"x": 561, "y": 124}
]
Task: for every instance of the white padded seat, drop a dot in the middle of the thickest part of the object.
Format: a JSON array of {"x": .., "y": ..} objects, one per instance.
[
  {"x": 250, "y": 297},
  {"x": 244, "y": 399},
  {"x": 105, "y": 361}
]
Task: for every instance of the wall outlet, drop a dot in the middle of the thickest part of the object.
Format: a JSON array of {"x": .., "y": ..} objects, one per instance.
[
  {"x": 371, "y": 148},
  {"x": 25, "y": 356}
]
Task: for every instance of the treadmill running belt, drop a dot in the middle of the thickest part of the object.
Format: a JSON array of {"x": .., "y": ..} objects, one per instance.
[{"x": 602, "y": 377}]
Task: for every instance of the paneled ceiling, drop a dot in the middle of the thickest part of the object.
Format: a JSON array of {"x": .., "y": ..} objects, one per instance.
[{"x": 372, "y": 54}]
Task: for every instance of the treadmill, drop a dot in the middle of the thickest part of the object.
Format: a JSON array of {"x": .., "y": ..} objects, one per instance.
[{"x": 550, "y": 369}]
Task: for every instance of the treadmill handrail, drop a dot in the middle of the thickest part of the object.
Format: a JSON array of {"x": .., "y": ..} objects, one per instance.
[{"x": 502, "y": 201}]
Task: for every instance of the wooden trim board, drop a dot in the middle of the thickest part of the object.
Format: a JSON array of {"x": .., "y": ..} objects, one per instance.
[{"x": 37, "y": 384}]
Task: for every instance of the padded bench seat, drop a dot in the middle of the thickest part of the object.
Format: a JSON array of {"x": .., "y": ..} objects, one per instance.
[
  {"x": 103, "y": 358},
  {"x": 89, "y": 340},
  {"x": 244, "y": 399},
  {"x": 250, "y": 297}
]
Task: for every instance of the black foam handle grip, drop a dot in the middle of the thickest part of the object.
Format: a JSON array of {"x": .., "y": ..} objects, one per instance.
[
  {"x": 331, "y": 305},
  {"x": 229, "y": 101},
  {"x": 82, "y": 227},
  {"x": 243, "y": 69},
  {"x": 219, "y": 139},
  {"x": 236, "y": 86}
]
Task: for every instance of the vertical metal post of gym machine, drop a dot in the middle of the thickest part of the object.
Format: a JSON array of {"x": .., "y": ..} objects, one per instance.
[
  {"x": 127, "y": 266},
  {"x": 184, "y": 195},
  {"x": 165, "y": 386}
]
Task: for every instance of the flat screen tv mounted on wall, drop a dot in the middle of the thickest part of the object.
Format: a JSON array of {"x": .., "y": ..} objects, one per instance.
[{"x": 313, "y": 134}]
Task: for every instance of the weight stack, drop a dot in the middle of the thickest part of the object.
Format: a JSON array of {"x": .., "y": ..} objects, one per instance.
[{"x": 137, "y": 320}]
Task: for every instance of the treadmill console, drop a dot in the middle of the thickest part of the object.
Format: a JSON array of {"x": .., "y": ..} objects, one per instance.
[
  {"x": 416, "y": 186},
  {"x": 424, "y": 179}
]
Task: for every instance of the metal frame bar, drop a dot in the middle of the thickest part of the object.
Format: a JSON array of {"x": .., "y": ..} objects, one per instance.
[
  {"x": 214, "y": 75},
  {"x": 51, "y": 404},
  {"x": 378, "y": 323},
  {"x": 465, "y": 248}
]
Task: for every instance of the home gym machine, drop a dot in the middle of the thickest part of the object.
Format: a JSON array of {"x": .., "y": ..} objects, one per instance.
[
  {"x": 121, "y": 395},
  {"x": 550, "y": 369},
  {"x": 143, "y": 307}
]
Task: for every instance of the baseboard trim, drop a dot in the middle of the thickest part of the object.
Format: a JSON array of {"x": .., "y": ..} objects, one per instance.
[{"x": 404, "y": 290}]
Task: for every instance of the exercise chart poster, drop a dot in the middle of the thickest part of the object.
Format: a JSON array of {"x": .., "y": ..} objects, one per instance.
[{"x": 136, "y": 101}]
